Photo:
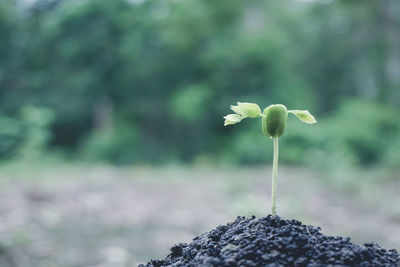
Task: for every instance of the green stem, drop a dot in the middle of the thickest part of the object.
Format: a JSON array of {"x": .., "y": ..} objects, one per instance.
[{"x": 274, "y": 176}]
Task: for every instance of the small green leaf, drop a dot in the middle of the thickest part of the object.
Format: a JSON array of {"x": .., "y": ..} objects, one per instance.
[
  {"x": 237, "y": 110},
  {"x": 242, "y": 110},
  {"x": 304, "y": 116},
  {"x": 247, "y": 110},
  {"x": 232, "y": 119}
]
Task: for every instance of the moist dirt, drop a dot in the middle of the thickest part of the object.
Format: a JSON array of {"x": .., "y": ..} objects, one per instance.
[{"x": 272, "y": 241}]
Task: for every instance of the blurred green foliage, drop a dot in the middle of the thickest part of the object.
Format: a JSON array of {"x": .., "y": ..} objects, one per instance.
[
  {"x": 149, "y": 81},
  {"x": 26, "y": 136}
]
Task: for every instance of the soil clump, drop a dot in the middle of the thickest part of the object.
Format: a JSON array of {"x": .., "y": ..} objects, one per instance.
[{"x": 272, "y": 241}]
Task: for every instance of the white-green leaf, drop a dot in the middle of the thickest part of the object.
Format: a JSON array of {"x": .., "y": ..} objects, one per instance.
[
  {"x": 247, "y": 110},
  {"x": 236, "y": 110},
  {"x": 232, "y": 119},
  {"x": 304, "y": 116}
]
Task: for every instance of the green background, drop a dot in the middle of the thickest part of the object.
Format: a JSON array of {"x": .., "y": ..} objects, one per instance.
[{"x": 148, "y": 82}]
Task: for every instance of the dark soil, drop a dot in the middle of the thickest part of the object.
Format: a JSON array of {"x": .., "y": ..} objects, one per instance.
[{"x": 272, "y": 241}]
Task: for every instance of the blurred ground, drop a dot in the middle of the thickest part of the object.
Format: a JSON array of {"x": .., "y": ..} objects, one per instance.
[{"x": 104, "y": 216}]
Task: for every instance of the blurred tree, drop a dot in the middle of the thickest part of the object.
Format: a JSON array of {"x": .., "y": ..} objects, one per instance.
[
  {"x": 355, "y": 51},
  {"x": 149, "y": 81}
]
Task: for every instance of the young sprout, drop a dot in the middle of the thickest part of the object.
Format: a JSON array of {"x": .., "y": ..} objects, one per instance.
[{"x": 273, "y": 121}]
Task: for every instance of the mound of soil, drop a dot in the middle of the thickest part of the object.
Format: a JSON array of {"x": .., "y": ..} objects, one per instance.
[{"x": 272, "y": 241}]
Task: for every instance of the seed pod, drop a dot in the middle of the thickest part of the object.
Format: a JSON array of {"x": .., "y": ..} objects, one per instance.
[{"x": 274, "y": 120}]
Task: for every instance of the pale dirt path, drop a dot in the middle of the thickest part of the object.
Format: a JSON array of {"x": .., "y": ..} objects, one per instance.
[{"x": 122, "y": 217}]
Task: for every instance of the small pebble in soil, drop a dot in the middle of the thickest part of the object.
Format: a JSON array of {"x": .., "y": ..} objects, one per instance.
[{"x": 272, "y": 241}]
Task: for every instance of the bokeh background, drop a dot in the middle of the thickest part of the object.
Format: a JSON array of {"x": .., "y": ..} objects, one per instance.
[{"x": 112, "y": 144}]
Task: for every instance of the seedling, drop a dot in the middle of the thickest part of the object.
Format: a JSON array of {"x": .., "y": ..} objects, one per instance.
[{"x": 273, "y": 122}]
